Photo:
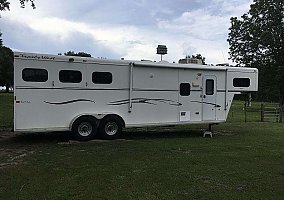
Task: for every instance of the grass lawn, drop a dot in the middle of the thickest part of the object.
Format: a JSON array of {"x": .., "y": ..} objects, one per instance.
[
  {"x": 6, "y": 110},
  {"x": 241, "y": 161}
]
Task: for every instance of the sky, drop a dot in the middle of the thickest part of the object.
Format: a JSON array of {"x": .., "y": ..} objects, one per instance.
[{"x": 130, "y": 29}]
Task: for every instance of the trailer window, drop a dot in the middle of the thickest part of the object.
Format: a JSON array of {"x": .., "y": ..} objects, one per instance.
[
  {"x": 70, "y": 76},
  {"x": 34, "y": 75},
  {"x": 241, "y": 82},
  {"x": 209, "y": 87},
  {"x": 184, "y": 89},
  {"x": 102, "y": 77}
]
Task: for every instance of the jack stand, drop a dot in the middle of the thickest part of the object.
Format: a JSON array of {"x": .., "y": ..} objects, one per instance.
[{"x": 208, "y": 132}]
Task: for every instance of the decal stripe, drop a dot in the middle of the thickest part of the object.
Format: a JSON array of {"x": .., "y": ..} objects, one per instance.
[
  {"x": 93, "y": 89},
  {"x": 145, "y": 101},
  {"x": 68, "y": 102},
  {"x": 214, "y": 104}
]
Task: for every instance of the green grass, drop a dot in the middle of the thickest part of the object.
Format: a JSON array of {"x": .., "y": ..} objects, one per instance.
[
  {"x": 237, "y": 112},
  {"x": 241, "y": 161},
  {"x": 6, "y": 110}
]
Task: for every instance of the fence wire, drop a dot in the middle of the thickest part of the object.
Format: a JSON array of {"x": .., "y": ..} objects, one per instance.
[{"x": 257, "y": 112}]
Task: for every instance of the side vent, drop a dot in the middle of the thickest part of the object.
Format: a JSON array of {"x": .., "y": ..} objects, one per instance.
[{"x": 184, "y": 116}]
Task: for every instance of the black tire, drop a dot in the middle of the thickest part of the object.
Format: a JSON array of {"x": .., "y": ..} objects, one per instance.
[
  {"x": 84, "y": 129},
  {"x": 110, "y": 128}
]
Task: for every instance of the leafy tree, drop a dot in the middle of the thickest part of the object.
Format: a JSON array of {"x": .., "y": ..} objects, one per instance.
[
  {"x": 6, "y": 54},
  {"x": 80, "y": 54},
  {"x": 6, "y": 67},
  {"x": 257, "y": 40},
  {"x": 23, "y": 3},
  {"x": 5, "y": 4},
  {"x": 197, "y": 56},
  {"x": 200, "y": 57},
  {"x": 258, "y": 37}
]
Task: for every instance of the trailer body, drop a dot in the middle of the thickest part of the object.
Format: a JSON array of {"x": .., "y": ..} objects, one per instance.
[{"x": 51, "y": 93}]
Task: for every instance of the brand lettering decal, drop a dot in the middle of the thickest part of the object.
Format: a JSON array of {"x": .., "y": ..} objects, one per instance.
[
  {"x": 35, "y": 57},
  {"x": 23, "y": 101}
]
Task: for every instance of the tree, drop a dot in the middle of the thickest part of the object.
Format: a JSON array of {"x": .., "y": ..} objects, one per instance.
[
  {"x": 6, "y": 54},
  {"x": 6, "y": 67},
  {"x": 5, "y": 4},
  {"x": 200, "y": 57},
  {"x": 257, "y": 40},
  {"x": 197, "y": 56},
  {"x": 23, "y": 3},
  {"x": 80, "y": 54}
]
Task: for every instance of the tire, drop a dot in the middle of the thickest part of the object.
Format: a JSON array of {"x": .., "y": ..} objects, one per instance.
[
  {"x": 84, "y": 129},
  {"x": 110, "y": 128}
]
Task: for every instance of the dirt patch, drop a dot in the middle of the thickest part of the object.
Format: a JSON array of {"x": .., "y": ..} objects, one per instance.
[
  {"x": 11, "y": 156},
  {"x": 225, "y": 133},
  {"x": 6, "y": 133}
]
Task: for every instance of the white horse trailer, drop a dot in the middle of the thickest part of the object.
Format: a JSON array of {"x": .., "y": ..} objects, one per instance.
[{"x": 89, "y": 96}]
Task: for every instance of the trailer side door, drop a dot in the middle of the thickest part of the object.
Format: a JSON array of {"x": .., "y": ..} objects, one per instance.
[{"x": 209, "y": 98}]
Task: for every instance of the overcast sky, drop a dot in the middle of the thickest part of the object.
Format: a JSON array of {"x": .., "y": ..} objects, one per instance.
[{"x": 131, "y": 29}]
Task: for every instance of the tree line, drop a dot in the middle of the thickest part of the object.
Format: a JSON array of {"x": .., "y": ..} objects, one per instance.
[{"x": 255, "y": 40}]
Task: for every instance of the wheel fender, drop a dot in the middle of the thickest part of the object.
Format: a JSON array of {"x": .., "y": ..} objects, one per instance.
[
  {"x": 97, "y": 117},
  {"x": 82, "y": 115},
  {"x": 118, "y": 117}
]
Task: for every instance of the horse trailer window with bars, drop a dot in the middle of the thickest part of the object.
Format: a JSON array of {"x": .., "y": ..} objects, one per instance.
[
  {"x": 70, "y": 76},
  {"x": 34, "y": 75},
  {"x": 241, "y": 82},
  {"x": 102, "y": 77}
]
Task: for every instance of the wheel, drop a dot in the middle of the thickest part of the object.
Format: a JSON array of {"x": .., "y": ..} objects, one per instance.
[
  {"x": 110, "y": 128},
  {"x": 84, "y": 129}
]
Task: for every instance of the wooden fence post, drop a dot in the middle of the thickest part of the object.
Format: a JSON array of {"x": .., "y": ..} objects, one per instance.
[
  {"x": 281, "y": 110},
  {"x": 245, "y": 108},
  {"x": 262, "y": 112},
  {"x": 277, "y": 114}
]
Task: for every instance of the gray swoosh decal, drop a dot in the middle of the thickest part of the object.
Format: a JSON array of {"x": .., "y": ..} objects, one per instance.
[
  {"x": 213, "y": 104},
  {"x": 68, "y": 102},
  {"x": 145, "y": 101}
]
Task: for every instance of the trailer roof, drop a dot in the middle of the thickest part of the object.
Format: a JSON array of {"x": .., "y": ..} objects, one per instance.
[{"x": 142, "y": 63}]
